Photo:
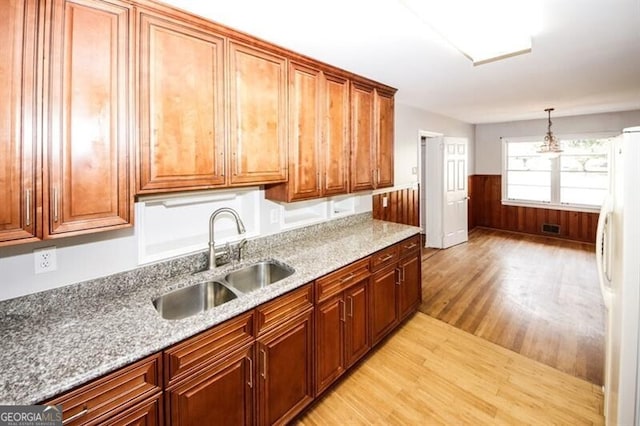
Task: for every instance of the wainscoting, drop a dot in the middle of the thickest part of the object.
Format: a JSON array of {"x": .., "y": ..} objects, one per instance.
[
  {"x": 402, "y": 206},
  {"x": 486, "y": 209}
]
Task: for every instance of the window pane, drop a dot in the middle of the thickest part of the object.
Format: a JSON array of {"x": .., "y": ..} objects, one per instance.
[
  {"x": 584, "y": 166},
  {"x": 583, "y": 196},
  {"x": 529, "y": 193}
]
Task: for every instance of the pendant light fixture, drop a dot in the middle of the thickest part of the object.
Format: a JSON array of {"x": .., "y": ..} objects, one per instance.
[{"x": 551, "y": 146}]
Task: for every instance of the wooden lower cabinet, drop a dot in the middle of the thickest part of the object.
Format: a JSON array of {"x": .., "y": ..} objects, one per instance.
[
  {"x": 410, "y": 285},
  {"x": 147, "y": 413},
  {"x": 329, "y": 342},
  {"x": 342, "y": 332},
  {"x": 384, "y": 313},
  {"x": 222, "y": 393},
  {"x": 357, "y": 338},
  {"x": 285, "y": 370}
]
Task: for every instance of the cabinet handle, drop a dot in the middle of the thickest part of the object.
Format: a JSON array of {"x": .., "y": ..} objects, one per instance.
[
  {"x": 350, "y": 306},
  {"x": 55, "y": 204},
  {"x": 378, "y": 176},
  {"x": 76, "y": 416},
  {"x": 387, "y": 257},
  {"x": 342, "y": 311},
  {"x": 349, "y": 278},
  {"x": 373, "y": 177},
  {"x": 404, "y": 272},
  {"x": 399, "y": 280},
  {"x": 410, "y": 246},
  {"x": 264, "y": 364},
  {"x": 250, "y": 372},
  {"x": 27, "y": 202}
]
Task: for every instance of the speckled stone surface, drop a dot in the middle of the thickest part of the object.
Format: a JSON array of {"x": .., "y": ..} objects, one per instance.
[{"x": 56, "y": 340}]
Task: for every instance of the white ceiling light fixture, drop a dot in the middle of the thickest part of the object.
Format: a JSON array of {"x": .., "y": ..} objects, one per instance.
[
  {"x": 551, "y": 146},
  {"x": 483, "y": 30}
]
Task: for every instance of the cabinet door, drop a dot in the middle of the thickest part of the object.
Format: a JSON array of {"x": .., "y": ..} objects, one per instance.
[
  {"x": 181, "y": 105},
  {"x": 384, "y": 139},
  {"x": 147, "y": 413},
  {"x": 285, "y": 370},
  {"x": 335, "y": 139},
  {"x": 18, "y": 20},
  {"x": 87, "y": 176},
  {"x": 304, "y": 132},
  {"x": 220, "y": 394},
  {"x": 329, "y": 342},
  {"x": 410, "y": 288},
  {"x": 357, "y": 336},
  {"x": 362, "y": 138},
  {"x": 257, "y": 109},
  {"x": 383, "y": 302}
]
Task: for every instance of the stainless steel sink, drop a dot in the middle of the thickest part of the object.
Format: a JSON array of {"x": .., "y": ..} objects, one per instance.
[
  {"x": 188, "y": 301},
  {"x": 258, "y": 275}
]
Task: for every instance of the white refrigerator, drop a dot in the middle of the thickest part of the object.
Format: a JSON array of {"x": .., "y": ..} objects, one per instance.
[{"x": 618, "y": 259}]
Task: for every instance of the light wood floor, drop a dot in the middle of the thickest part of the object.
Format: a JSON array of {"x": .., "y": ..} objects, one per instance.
[
  {"x": 429, "y": 372},
  {"x": 536, "y": 296}
]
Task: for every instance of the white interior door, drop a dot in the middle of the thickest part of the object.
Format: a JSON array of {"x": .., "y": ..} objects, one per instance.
[{"x": 455, "y": 202}]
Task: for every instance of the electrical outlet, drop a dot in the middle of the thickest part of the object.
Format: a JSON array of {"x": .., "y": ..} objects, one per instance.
[
  {"x": 385, "y": 201},
  {"x": 45, "y": 259}
]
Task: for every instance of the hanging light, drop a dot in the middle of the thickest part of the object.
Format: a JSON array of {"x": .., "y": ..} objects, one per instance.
[{"x": 551, "y": 146}]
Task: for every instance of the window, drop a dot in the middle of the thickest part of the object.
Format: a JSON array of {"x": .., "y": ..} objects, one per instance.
[{"x": 577, "y": 179}]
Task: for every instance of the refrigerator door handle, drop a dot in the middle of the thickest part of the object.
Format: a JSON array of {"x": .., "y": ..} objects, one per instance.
[{"x": 603, "y": 255}]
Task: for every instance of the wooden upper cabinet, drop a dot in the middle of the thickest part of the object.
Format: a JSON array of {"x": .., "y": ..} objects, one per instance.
[
  {"x": 318, "y": 136},
  {"x": 87, "y": 178},
  {"x": 305, "y": 120},
  {"x": 335, "y": 137},
  {"x": 181, "y": 105},
  {"x": 18, "y": 199},
  {"x": 384, "y": 139},
  {"x": 257, "y": 115},
  {"x": 363, "y": 154}
]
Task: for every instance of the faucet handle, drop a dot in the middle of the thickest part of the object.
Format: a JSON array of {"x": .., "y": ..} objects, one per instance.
[{"x": 240, "y": 249}]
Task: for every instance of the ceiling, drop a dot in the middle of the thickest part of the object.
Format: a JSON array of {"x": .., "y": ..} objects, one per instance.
[{"x": 585, "y": 58}]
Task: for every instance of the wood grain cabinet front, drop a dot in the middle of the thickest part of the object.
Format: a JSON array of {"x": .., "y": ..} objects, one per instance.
[
  {"x": 284, "y": 356},
  {"x": 318, "y": 135},
  {"x": 219, "y": 393},
  {"x": 180, "y": 102},
  {"x": 88, "y": 156},
  {"x": 18, "y": 140},
  {"x": 257, "y": 108},
  {"x": 342, "y": 321},
  {"x": 372, "y": 138},
  {"x": 409, "y": 277},
  {"x": 117, "y": 398}
]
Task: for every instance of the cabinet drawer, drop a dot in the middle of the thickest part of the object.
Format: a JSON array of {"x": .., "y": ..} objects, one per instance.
[
  {"x": 410, "y": 245},
  {"x": 273, "y": 313},
  {"x": 94, "y": 402},
  {"x": 207, "y": 347},
  {"x": 335, "y": 282},
  {"x": 384, "y": 257}
]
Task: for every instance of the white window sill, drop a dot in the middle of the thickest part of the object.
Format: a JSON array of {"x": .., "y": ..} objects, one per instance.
[{"x": 550, "y": 206}]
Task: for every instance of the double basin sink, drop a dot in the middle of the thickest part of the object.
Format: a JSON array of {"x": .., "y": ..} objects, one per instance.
[{"x": 191, "y": 300}]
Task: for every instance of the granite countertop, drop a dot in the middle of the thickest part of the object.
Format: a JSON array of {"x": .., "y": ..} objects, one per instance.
[{"x": 56, "y": 340}]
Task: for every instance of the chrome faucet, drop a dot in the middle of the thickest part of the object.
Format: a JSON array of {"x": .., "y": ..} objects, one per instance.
[{"x": 212, "y": 248}]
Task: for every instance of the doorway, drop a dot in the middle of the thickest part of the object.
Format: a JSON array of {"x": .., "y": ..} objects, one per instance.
[{"x": 442, "y": 172}]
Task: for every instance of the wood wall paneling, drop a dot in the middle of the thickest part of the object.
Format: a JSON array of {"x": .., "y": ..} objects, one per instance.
[
  {"x": 403, "y": 206},
  {"x": 486, "y": 209}
]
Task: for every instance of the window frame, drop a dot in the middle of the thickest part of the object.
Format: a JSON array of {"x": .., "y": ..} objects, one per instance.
[{"x": 555, "y": 174}]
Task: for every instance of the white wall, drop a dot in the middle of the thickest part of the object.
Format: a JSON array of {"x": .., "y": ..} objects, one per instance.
[
  {"x": 408, "y": 121},
  {"x": 489, "y": 148}
]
